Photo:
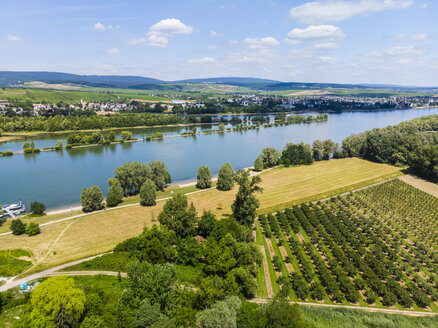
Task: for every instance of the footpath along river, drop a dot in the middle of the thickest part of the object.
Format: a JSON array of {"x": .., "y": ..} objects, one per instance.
[{"x": 57, "y": 178}]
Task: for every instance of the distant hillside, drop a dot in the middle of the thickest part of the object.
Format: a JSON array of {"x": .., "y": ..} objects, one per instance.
[
  {"x": 229, "y": 80},
  {"x": 8, "y": 78}
]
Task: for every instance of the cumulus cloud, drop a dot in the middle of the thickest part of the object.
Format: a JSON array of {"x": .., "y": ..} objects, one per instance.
[
  {"x": 13, "y": 38},
  {"x": 113, "y": 51},
  {"x": 315, "y": 33},
  {"x": 159, "y": 33},
  {"x": 171, "y": 26},
  {"x": 318, "y": 12},
  {"x": 261, "y": 43},
  {"x": 204, "y": 60}
]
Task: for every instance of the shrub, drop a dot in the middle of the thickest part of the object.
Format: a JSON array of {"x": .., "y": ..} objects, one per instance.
[
  {"x": 33, "y": 229},
  {"x": 37, "y": 208},
  {"x": 204, "y": 177},
  {"x": 225, "y": 180}
]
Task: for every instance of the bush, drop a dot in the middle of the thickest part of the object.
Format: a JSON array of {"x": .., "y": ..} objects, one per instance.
[
  {"x": 18, "y": 227},
  {"x": 126, "y": 135},
  {"x": 8, "y": 153},
  {"x": 33, "y": 229},
  {"x": 37, "y": 208},
  {"x": 258, "y": 164}
]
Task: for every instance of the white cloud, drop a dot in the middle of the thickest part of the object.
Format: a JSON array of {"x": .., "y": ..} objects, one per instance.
[
  {"x": 100, "y": 26},
  {"x": 212, "y": 47},
  {"x": 415, "y": 37},
  {"x": 419, "y": 37},
  {"x": 233, "y": 42},
  {"x": 261, "y": 43},
  {"x": 315, "y": 33},
  {"x": 318, "y": 12},
  {"x": 325, "y": 45},
  {"x": 113, "y": 51},
  {"x": 157, "y": 40},
  {"x": 13, "y": 38},
  {"x": 328, "y": 59},
  {"x": 204, "y": 60},
  {"x": 403, "y": 50},
  {"x": 171, "y": 26},
  {"x": 159, "y": 33},
  {"x": 214, "y": 34},
  {"x": 137, "y": 41}
]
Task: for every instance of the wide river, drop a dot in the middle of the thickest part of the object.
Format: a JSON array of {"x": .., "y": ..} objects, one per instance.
[{"x": 57, "y": 178}]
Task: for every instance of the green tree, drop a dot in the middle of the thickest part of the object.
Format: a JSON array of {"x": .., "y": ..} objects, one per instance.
[
  {"x": 148, "y": 193},
  {"x": 111, "y": 136},
  {"x": 126, "y": 135},
  {"x": 225, "y": 180},
  {"x": 222, "y": 314},
  {"x": 33, "y": 229},
  {"x": 270, "y": 157},
  {"x": 258, "y": 164},
  {"x": 46, "y": 301},
  {"x": 159, "y": 174},
  {"x": 64, "y": 320},
  {"x": 279, "y": 313},
  {"x": 245, "y": 205},
  {"x": 317, "y": 150},
  {"x": 115, "y": 192},
  {"x": 157, "y": 283},
  {"x": 37, "y": 208},
  {"x": 26, "y": 145},
  {"x": 93, "y": 322},
  {"x": 329, "y": 148},
  {"x": 204, "y": 177},
  {"x": 297, "y": 154},
  {"x": 149, "y": 315},
  {"x": 178, "y": 216},
  {"x": 221, "y": 127},
  {"x": 206, "y": 224},
  {"x": 131, "y": 176},
  {"x": 59, "y": 143},
  {"x": 91, "y": 199},
  {"x": 18, "y": 227}
]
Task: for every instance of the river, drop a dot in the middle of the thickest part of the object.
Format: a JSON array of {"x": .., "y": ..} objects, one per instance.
[{"x": 57, "y": 178}]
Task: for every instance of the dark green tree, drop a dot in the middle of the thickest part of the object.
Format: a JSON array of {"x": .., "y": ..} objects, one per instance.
[
  {"x": 225, "y": 180},
  {"x": 178, "y": 216},
  {"x": 18, "y": 227},
  {"x": 245, "y": 205},
  {"x": 115, "y": 192},
  {"x": 206, "y": 224},
  {"x": 203, "y": 178},
  {"x": 159, "y": 174},
  {"x": 148, "y": 193},
  {"x": 270, "y": 157},
  {"x": 63, "y": 319},
  {"x": 37, "y": 208}
]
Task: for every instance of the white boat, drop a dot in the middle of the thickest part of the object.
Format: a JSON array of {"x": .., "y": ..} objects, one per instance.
[{"x": 13, "y": 210}]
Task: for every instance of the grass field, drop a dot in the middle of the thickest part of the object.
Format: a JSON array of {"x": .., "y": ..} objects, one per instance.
[
  {"x": 374, "y": 247},
  {"x": 100, "y": 232},
  {"x": 13, "y": 262}
]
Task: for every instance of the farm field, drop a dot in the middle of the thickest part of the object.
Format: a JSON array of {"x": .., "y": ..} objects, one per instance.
[
  {"x": 100, "y": 232},
  {"x": 374, "y": 247}
]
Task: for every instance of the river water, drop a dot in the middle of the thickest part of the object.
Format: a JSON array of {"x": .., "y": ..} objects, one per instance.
[{"x": 57, "y": 178}]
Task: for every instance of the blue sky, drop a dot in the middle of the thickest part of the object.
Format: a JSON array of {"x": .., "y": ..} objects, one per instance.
[{"x": 357, "y": 41}]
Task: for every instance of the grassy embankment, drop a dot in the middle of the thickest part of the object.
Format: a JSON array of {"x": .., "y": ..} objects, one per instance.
[{"x": 100, "y": 232}]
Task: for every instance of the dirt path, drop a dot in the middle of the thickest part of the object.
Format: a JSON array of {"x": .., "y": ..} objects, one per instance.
[
  {"x": 272, "y": 254},
  {"x": 15, "y": 281},
  {"x": 362, "y": 308},
  {"x": 266, "y": 271},
  {"x": 86, "y": 273},
  {"x": 416, "y": 182},
  {"x": 283, "y": 252}
]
